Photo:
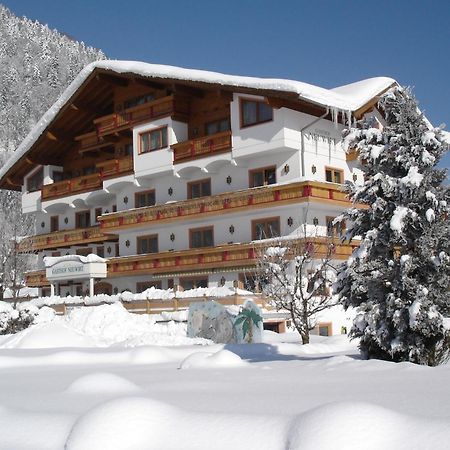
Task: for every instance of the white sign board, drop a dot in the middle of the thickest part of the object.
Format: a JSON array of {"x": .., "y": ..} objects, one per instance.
[{"x": 75, "y": 270}]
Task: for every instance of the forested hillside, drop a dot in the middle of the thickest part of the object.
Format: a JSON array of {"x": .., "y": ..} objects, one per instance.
[{"x": 36, "y": 65}]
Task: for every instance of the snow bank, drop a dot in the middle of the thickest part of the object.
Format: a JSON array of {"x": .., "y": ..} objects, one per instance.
[
  {"x": 145, "y": 424},
  {"x": 100, "y": 326},
  {"x": 205, "y": 360},
  {"x": 359, "y": 425},
  {"x": 102, "y": 382}
]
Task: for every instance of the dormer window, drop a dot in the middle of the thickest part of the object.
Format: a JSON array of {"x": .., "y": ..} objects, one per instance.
[{"x": 254, "y": 112}]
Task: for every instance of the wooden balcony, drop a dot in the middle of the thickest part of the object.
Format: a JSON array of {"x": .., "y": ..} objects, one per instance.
[
  {"x": 90, "y": 141},
  {"x": 238, "y": 256},
  {"x": 202, "y": 147},
  {"x": 66, "y": 238},
  {"x": 115, "y": 167},
  {"x": 106, "y": 169},
  {"x": 230, "y": 202},
  {"x": 77, "y": 185},
  {"x": 167, "y": 106}
]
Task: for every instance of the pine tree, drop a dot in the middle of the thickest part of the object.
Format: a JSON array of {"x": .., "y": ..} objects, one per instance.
[{"x": 399, "y": 277}]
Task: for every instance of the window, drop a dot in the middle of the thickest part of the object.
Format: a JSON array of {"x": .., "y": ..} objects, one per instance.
[
  {"x": 83, "y": 219},
  {"x": 200, "y": 188},
  {"x": 101, "y": 252},
  {"x": 97, "y": 213},
  {"x": 114, "y": 208},
  {"x": 56, "y": 254},
  {"x": 193, "y": 283},
  {"x": 35, "y": 181},
  {"x": 265, "y": 228},
  {"x": 263, "y": 176},
  {"x": 334, "y": 230},
  {"x": 144, "y": 285},
  {"x": 334, "y": 175},
  {"x": 54, "y": 223},
  {"x": 153, "y": 140},
  {"x": 57, "y": 176},
  {"x": 147, "y": 244},
  {"x": 201, "y": 237},
  {"x": 254, "y": 112},
  {"x": 116, "y": 250},
  {"x": 84, "y": 251},
  {"x": 138, "y": 100},
  {"x": 146, "y": 198},
  {"x": 217, "y": 126}
]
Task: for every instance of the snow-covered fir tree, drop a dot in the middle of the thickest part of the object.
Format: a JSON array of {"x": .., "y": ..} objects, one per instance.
[
  {"x": 36, "y": 65},
  {"x": 399, "y": 277}
]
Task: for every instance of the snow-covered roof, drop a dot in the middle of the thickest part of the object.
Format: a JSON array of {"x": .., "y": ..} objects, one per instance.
[
  {"x": 345, "y": 98},
  {"x": 50, "y": 261}
]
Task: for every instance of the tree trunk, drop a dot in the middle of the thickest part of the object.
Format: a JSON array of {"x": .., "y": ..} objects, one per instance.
[{"x": 305, "y": 337}]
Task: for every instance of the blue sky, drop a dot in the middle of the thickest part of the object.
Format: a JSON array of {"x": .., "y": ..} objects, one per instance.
[{"x": 327, "y": 43}]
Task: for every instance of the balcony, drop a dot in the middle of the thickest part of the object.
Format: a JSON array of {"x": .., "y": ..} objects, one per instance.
[
  {"x": 202, "y": 147},
  {"x": 166, "y": 106},
  {"x": 106, "y": 169},
  {"x": 115, "y": 167},
  {"x": 66, "y": 238},
  {"x": 230, "y": 202},
  {"x": 77, "y": 185},
  {"x": 90, "y": 141},
  {"x": 237, "y": 256}
]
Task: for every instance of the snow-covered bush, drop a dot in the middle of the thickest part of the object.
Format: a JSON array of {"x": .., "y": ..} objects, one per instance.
[
  {"x": 399, "y": 277},
  {"x": 16, "y": 319}
]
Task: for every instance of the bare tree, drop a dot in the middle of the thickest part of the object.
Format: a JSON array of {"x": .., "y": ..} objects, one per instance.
[
  {"x": 14, "y": 226},
  {"x": 297, "y": 274}
]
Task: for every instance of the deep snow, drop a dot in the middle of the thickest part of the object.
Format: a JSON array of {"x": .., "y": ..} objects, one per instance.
[{"x": 95, "y": 392}]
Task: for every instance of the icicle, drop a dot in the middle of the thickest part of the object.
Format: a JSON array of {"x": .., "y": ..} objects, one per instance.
[{"x": 349, "y": 118}]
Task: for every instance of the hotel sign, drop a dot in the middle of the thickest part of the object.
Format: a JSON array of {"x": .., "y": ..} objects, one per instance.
[{"x": 75, "y": 270}]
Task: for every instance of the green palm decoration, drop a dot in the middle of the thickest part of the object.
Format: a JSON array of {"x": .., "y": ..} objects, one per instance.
[{"x": 248, "y": 318}]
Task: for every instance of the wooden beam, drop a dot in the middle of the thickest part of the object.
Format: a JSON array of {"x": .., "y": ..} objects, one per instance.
[
  {"x": 147, "y": 83},
  {"x": 182, "y": 89},
  {"x": 13, "y": 182},
  {"x": 58, "y": 137},
  {"x": 110, "y": 79}
]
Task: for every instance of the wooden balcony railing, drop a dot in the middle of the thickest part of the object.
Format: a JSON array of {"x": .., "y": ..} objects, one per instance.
[
  {"x": 229, "y": 202},
  {"x": 85, "y": 183},
  {"x": 201, "y": 147},
  {"x": 107, "y": 169},
  {"x": 65, "y": 238},
  {"x": 113, "y": 167},
  {"x": 90, "y": 141},
  {"x": 238, "y": 256},
  {"x": 166, "y": 106}
]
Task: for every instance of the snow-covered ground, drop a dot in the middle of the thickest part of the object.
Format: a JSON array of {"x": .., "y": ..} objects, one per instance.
[{"x": 106, "y": 379}]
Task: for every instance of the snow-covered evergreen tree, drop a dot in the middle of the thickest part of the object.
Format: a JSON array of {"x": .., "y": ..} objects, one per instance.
[{"x": 399, "y": 277}]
